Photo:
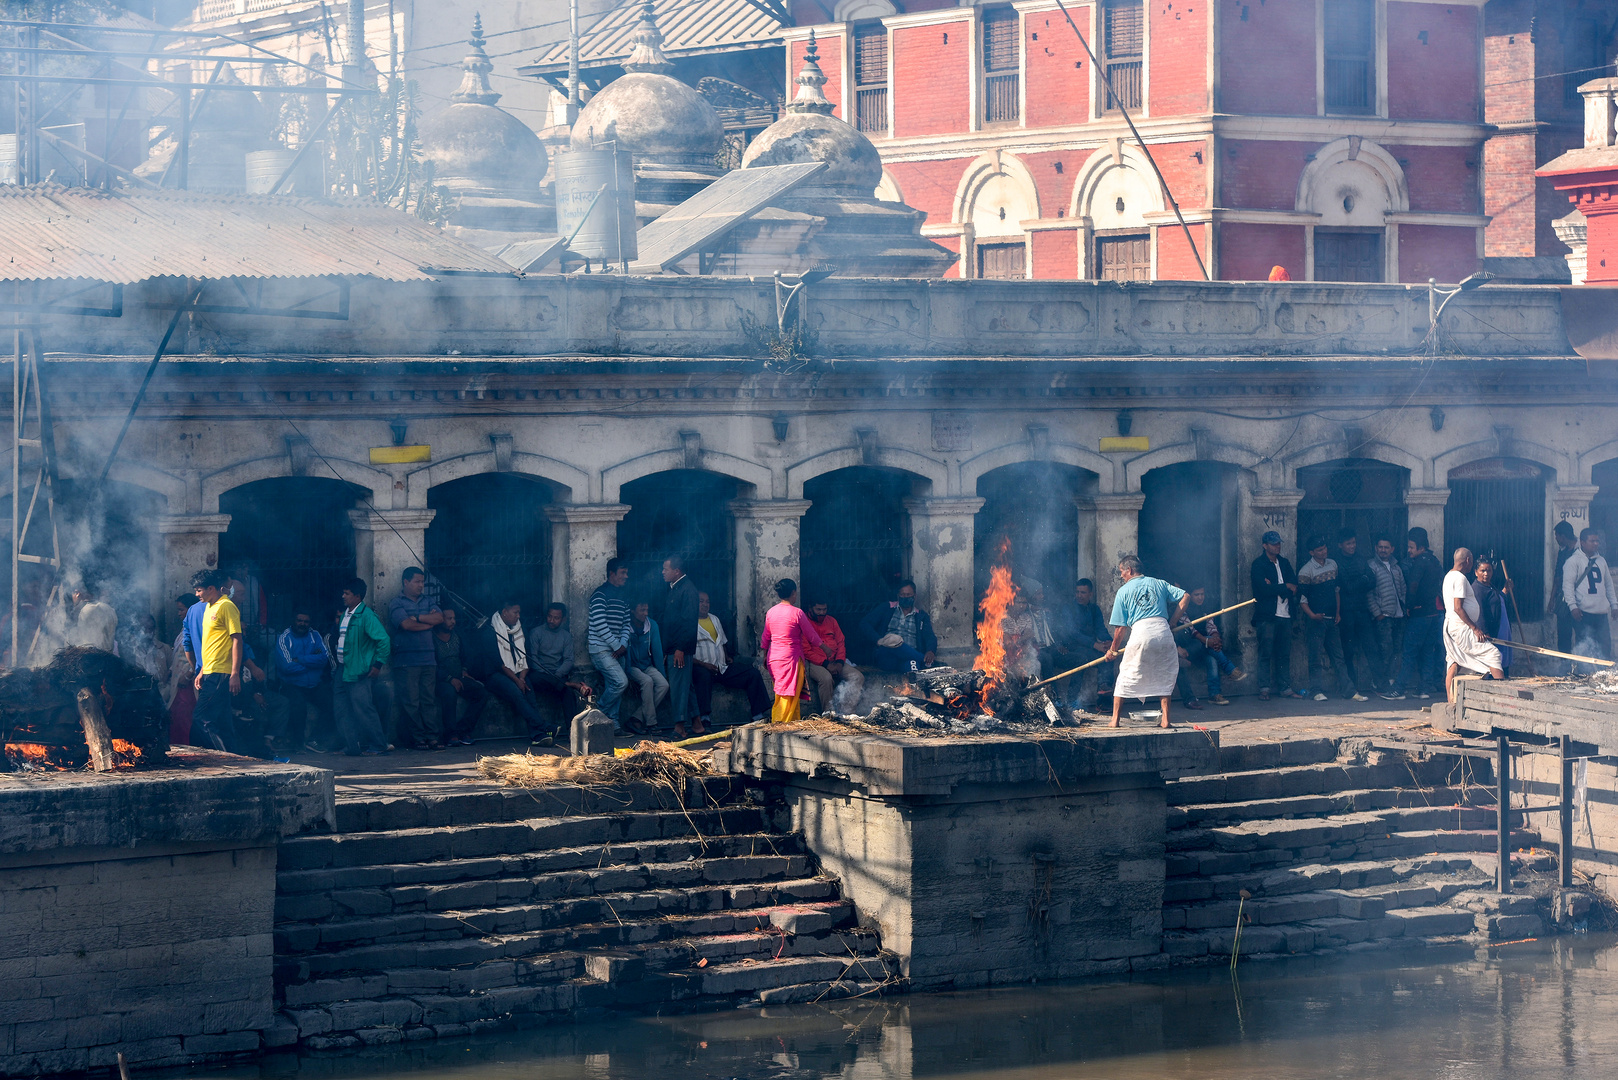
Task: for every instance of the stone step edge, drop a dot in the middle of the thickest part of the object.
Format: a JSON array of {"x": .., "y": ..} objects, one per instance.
[
  {"x": 1277, "y": 802},
  {"x": 386, "y": 813}
]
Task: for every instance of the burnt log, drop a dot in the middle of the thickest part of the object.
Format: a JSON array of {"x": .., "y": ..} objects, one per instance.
[
  {"x": 41, "y": 705},
  {"x": 947, "y": 682}
]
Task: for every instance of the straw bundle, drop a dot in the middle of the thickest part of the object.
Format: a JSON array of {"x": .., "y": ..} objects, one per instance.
[{"x": 648, "y": 762}]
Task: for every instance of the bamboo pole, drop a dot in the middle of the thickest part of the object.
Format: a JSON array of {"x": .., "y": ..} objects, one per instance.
[
  {"x": 1541, "y": 651},
  {"x": 1093, "y": 663}
]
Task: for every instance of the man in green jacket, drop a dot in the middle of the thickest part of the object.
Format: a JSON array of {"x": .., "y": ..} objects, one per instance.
[{"x": 362, "y": 649}]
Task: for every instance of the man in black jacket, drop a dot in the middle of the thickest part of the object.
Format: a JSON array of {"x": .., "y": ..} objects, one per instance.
[
  {"x": 679, "y": 627},
  {"x": 1275, "y": 587},
  {"x": 1424, "y": 642},
  {"x": 1354, "y": 584}
]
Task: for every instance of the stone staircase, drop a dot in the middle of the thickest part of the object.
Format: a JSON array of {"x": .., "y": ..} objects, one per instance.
[
  {"x": 440, "y": 915},
  {"x": 1339, "y": 846}
]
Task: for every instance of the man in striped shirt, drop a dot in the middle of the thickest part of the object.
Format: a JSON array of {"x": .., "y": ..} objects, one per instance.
[{"x": 608, "y": 635}]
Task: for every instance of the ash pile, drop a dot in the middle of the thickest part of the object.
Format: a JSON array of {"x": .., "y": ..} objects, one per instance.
[
  {"x": 947, "y": 701},
  {"x": 39, "y": 715}
]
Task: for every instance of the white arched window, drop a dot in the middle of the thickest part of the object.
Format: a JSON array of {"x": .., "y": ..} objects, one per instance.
[
  {"x": 1352, "y": 185},
  {"x": 1113, "y": 196},
  {"x": 995, "y": 199}
]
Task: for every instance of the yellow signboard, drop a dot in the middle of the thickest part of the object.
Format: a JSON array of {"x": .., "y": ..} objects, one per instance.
[
  {"x": 400, "y": 455},
  {"x": 1118, "y": 444}
]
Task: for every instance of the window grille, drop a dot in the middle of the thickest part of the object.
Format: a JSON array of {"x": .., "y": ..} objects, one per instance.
[
  {"x": 1123, "y": 42},
  {"x": 1350, "y": 56},
  {"x": 871, "y": 78},
  {"x": 1002, "y": 35}
]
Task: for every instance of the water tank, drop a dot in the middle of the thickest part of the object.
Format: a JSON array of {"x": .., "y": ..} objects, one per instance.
[
  {"x": 595, "y": 195},
  {"x": 264, "y": 168}
]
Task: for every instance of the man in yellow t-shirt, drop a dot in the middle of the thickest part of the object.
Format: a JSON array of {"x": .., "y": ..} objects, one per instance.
[{"x": 221, "y": 675}]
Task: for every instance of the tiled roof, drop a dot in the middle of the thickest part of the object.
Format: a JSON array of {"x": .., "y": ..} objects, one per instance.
[
  {"x": 689, "y": 26},
  {"x": 50, "y": 232}
]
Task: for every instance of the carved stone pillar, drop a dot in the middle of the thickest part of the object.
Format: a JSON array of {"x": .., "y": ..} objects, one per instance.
[
  {"x": 1426, "y": 511},
  {"x": 1117, "y": 535},
  {"x": 941, "y": 550},
  {"x": 385, "y": 542},
  {"x": 767, "y": 532},
  {"x": 583, "y": 538},
  {"x": 190, "y": 542}
]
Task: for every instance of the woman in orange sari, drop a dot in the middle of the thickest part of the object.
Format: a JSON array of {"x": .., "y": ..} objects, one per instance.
[{"x": 786, "y": 629}]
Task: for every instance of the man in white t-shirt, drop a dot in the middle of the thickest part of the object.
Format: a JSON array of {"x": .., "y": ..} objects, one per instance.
[
  {"x": 1466, "y": 643},
  {"x": 1587, "y": 590}
]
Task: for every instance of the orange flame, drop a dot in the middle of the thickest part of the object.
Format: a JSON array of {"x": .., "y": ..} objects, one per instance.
[{"x": 996, "y": 602}]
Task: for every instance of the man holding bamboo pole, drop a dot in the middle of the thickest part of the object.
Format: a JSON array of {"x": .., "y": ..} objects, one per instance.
[{"x": 1141, "y": 613}]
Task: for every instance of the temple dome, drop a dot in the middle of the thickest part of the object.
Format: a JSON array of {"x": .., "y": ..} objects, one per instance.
[
  {"x": 654, "y": 116},
  {"x": 808, "y": 132},
  {"x": 476, "y": 146}
]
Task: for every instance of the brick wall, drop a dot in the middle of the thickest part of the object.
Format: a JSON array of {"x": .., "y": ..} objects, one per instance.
[
  {"x": 1179, "y": 60},
  {"x": 1056, "y": 254},
  {"x": 1509, "y": 61},
  {"x": 1442, "y": 179},
  {"x": 1266, "y": 57},
  {"x": 1439, "y": 78},
  {"x": 831, "y": 50},
  {"x": 930, "y": 186},
  {"x": 1058, "y": 91},
  {"x": 1510, "y": 196},
  {"x": 166, "y": 959},
  {"x": 1247, "y": 251},
  {"x": 1445, "y": 252},
  {"x": 1184, "y": 167},
  {"x": 1175, "y": 262},
  {"x": 931, "y": 66},
  {"x": 1261, "y": 175}
]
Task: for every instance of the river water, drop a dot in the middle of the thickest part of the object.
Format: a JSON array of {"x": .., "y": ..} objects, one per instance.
[{"x": 1524, "y": 1012}]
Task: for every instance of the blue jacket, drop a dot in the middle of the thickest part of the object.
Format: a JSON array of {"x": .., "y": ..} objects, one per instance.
[
  {"x": 191, "y": 634},
  {"x": 645, "y": 650},
  {"x": 301, "y": 661}
]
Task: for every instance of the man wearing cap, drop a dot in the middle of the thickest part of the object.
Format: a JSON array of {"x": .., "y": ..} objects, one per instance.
[{"x": 1275, "y": 587}]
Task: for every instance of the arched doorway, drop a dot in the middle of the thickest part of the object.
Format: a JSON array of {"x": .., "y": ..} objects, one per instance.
[
  {"x": 291, "y": 543},
  {"x": 1498, "y": 505},
  {"x": 1031, "y": 511},
  {"x": 1361, "y": 493},
  {"x": 1188, "y": 525},
  {"x": 682, "y": 511},
  {"x": 490, "y": 538},
  {"x": 1604, "y": 507},
  {"x": 854, "y": 546}
]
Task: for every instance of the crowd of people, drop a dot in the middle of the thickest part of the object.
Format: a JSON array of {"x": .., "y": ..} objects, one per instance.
[{"x": 420, "y": 673}]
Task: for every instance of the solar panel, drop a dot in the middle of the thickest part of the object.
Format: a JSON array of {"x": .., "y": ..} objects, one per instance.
[{"x": 714, "y": 210}]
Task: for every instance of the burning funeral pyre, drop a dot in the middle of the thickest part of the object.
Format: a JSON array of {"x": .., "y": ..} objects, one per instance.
[
  {"x": 46, "y": 723},
  {"x": 1000, "y": 694}
]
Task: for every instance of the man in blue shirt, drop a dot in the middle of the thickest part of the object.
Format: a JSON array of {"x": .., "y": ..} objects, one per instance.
[
  {"x": 412, "y": 617},
  {"x": 302, "y": 662},
  {"x": 1141, "y": 615}
]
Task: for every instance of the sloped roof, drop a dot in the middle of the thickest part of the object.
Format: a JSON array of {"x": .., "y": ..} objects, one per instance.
[
  {"x": 50, "y": 232},
  {"x": 689, "y": 26}
]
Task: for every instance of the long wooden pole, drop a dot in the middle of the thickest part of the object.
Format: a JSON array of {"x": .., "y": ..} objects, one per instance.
[
  {"x": 1093, "y": 663},
  {"x": 1552, "y": 652}
]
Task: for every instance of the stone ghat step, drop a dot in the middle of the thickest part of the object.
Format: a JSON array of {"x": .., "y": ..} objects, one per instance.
[
  {"x": 1426, "y": 890},
  {"x": 403, "y": 1018},
  {"x": 435, "y": 844},
  {"x": 1441, "y": 770},
  {"x": 297, "y": 883},
  {"x": 1309, "y": 877},
  {"x": 1338, "y": 830},
  {"x": 1415, "y": 926},
  {"x": 553, "y": 947},
  {"x": 1248, "y": 757},
  {"x": 621, "y": 962},
  {"x": 330, "y": 907},
  {"x": 1338, "y": 802},
  {"x": 387, "y": 813},
  {"x": 1380, "y": 846},
  {"x": 293, "y": 939}
]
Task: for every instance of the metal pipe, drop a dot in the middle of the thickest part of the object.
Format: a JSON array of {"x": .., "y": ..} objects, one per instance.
[
  {"x": 573, "y": 61},
  {"x": 16, "y": 481},
  {"x": 1503, "y": 789},
  {"x": 1565, "y": 854}
]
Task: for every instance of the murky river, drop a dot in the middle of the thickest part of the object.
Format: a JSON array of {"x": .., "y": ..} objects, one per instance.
[{"x": 1546, "y": 1009}]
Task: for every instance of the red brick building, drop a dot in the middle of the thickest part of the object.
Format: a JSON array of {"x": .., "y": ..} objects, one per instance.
[
  {"x": 1341, "y": 139},
  {"x": 1536, "y": 53}
]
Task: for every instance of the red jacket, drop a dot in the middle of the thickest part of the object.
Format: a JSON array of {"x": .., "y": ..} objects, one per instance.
[{"x": 833, "y": 645}]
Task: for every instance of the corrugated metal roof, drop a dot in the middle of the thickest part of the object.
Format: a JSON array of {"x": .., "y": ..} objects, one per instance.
[
  {"x": 52, "y": 232},
  {"x": 688, "y": 26},
  {"x": 715, "y": 210}
]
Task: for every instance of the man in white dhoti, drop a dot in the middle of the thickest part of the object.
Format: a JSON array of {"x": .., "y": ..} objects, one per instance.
[
  {"x": 1466, "y": 643},
  {"x": 1141, "y": 615}
]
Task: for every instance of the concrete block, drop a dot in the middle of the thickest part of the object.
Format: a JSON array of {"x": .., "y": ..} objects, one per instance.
[
  {"x": 1511, "y": 927},
  {"x": 354, "y": 1015},
  {"x": 804, "y": 920},
  {"x": 280, "y": 1032},
  {"x": 1361, "y": 907},
  {"x": 232, "y": 1042},
  {"x": 592, "y": 732},
  {"x": 323, "y": 990},
  {"x": 309, "y": 1021},
  {"x": 400, "y": 1012},
  {"x": 251, "y": 1013},
  {"x": 43, "y": 1035},
  {"x": 614, "y": 967}
]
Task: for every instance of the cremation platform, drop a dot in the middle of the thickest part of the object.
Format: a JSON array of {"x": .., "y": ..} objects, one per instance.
[{"x": 993, "y": 859}]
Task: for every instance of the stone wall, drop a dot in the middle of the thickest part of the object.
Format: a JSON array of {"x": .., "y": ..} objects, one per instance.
[{"x": 136, "y": 911}]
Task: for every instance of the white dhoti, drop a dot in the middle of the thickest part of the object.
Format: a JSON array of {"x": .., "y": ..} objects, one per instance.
[
  {"x": 1462, "y": 647},
  {"x": 1150, "y": 664}
]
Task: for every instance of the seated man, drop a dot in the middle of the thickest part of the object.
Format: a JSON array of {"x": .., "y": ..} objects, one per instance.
[
  {"x": 502, "y": 665},
  {"x": 901, "y": 633},
  {"x": 550, "y": 654},
  {"x": 454, "y": 684},
  {"x": 714, "y": 667},
  {"x": 1203, "y": 644},
  {"x": 829, "y": 665},
  {"x": 644, "y": 666},
  {"x": 260, "y": 711},
  {"x": 1080, "y": 635}
]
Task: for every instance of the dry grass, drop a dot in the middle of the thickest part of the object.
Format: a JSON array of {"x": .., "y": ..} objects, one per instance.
[{"x": 648, "y": 762}]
